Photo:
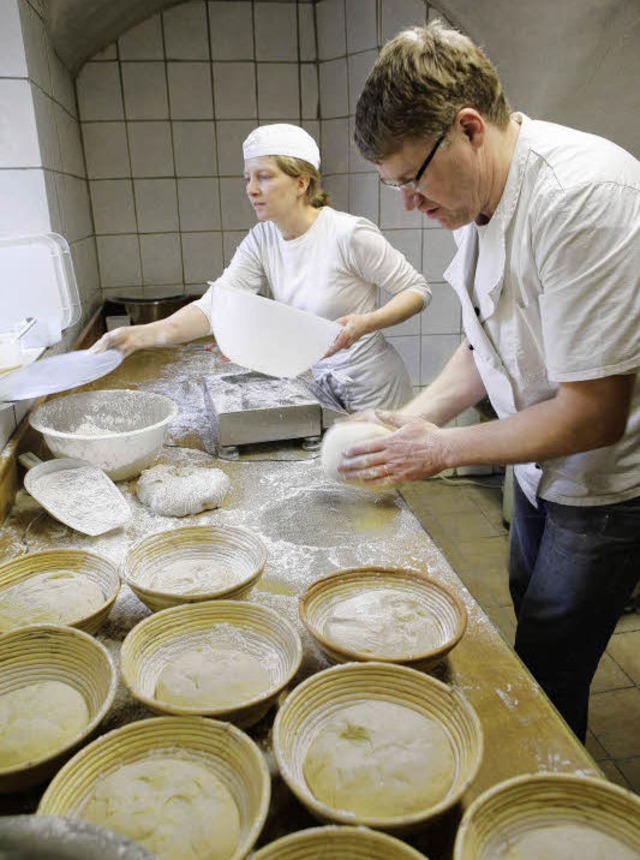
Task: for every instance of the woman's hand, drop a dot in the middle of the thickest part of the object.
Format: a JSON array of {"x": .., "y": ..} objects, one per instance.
[
  {"x": 416, "y": 450},
  {"x": 353, "y": 327},
  {"x": 128, "y": 339}
]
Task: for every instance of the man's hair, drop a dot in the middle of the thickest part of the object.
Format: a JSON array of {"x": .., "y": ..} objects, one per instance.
[
  {"x": 419, "y": 82},
  {"x": 296, "y": 167}
]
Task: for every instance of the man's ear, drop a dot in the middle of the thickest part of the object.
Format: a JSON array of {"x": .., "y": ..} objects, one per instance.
[{"x": 472, "y": 125}]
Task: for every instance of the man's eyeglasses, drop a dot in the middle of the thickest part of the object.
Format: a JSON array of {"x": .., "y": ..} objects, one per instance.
[{"x": 412, "y": 184}]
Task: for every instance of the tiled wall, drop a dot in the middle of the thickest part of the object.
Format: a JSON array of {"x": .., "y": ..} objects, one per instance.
[{"x": 43, "y": 186}]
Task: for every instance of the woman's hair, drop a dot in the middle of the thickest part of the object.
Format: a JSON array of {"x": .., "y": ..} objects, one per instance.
[
  {"x": 296, "y": 167},
  {"x": 419, "y": 82}
]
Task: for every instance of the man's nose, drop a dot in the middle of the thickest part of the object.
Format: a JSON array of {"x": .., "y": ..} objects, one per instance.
[{"x": 409, "y": 200}]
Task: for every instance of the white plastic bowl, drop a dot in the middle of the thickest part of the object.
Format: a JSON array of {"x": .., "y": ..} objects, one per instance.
[{"x": 119, "y": 430}]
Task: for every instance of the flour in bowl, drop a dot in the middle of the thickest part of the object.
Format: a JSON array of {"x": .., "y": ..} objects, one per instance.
[{"x": 54, "y": 597}]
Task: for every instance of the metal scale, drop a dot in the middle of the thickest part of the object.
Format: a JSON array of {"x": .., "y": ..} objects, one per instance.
[{"x": 248, "y": 407}]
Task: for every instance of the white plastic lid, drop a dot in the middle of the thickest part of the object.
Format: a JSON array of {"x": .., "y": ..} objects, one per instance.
[{"x": 58, "y": 373}]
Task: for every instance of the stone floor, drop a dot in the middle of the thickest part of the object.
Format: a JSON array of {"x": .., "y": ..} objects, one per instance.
[{"x": 464, "y": 517}]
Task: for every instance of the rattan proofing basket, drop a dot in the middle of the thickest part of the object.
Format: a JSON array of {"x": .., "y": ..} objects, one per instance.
[
  {"x": 338, "y": 843},
  {"x": 45, "y": 652},
  {"x": 100, "y": 570},
  {"x": 158, "y": 639},
  {"x": 230, "y": 754},
  {"x": 242, "y": 550},
  {"x": 312, "y": 704},
  {"x": 510, "y": 809},
  {"x": 447, "y": 613}
]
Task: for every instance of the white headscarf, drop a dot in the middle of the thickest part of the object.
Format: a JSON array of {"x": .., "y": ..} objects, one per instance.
[{"x": 282, "y": 139}]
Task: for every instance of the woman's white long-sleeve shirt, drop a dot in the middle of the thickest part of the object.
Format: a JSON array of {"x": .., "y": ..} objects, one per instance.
[{"x": 334, "y": 269}]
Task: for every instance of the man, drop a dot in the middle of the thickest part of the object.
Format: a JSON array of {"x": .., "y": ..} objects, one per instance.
[{"x": 547, "y": 223}]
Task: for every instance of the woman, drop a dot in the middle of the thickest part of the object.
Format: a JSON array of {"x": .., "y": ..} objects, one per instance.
[{"x": 314, "y": 258}]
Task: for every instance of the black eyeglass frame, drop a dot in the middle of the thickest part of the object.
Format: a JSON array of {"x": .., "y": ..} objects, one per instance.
[{"x": 413, "y": 183}]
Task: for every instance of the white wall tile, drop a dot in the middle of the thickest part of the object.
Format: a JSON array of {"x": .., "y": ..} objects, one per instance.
[
  {"x": 194, "y": 147},
  {"x": 142, "y": 42},
  {"x": 75, "y": 210},
  {"x": 51, "y": 185},
  {"x": 234, "y": 87},
  {"x": 237, "y": 212},
  {"x": 439, "y": 249},
  {"x": 185, "y": 32},
  {"x": 156, "y": 205},
  {"x": 231, "y": 30},
  {"x": 437, "y": 349},
  {"x": 7, "y": 423},
  {"x": 276, "y": 31},
  {"x": 151, "y": 149},
  {"x": 231, "y": 135},
  {"x": 409, "y": 348},
  {"x": 199, "y": 204},
  {"x": 335, "y": 146},
  {"x": 113, "y": 208},
  {"x": 71, "y": 148},
  {"x": 359, "y": 67},
  {"x": 363, "y": 195},
  {"x": 309, "y": 93},
  {"x": 306, "y": 32},
  {"x": 313, "y": 127},
  {"x": 13, "y": 63},
  {"x": 334, "y": 97},
  {"x": 36, "y": 47},
  {"x": 99, "y": 92},
  {"x": 357, "y": 164},
  {"x": 331, "y": 26},
  {"x": 63, "y": 85},
  {"x": 338, "y": 188},
  {"x": 145, "y": 91},
  {"x": 230, "y": 241},
  {"x": 202, "y": 257},
  {"x": 396, "y": 15},
  {"x": 85, "y": 266},
  {"x": 278, "y": 91},
  {"x": 392, "y": 211},
  {"x": 161, "y": 259},
  {"x": 45, "y": 112},
  {"x": 20, "y": 148},
  {"x": 106, "y": 150},
  {"x": 108, "y": 53},
  {"x": 442, "y": 316},
  {"x": 119, "y": 261},
  {"x": 362, "y": 29},
  {"x": 409, "y": 243},
  {"x": 190, "y": 94}
]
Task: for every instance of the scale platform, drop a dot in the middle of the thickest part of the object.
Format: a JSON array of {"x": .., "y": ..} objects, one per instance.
[{"x": 247, "y": 408}]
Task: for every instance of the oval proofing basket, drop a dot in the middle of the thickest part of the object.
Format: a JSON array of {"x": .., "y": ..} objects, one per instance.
[
  {"x": 312, "y": 704},
  {"x": 100, "y": 570},
  {"x": 444, "y": 612},
  {"x": 241, "y": 551},
  {"x": 157, "y": 640},
  {"x": 337, "y": 843},
  {"x": 45, "y": 652},
  {"x": 230, "y": 754}
]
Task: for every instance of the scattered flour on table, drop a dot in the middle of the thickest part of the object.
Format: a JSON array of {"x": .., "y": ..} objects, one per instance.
[{"x": 179, "y": 490}]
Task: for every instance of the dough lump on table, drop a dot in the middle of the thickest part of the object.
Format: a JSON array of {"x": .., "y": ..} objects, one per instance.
[
  {"x": 39, "y": 720},
  {"x": 54, "y": 597},
  {"x": 341, "y": 436},
  {"x": 179, "y": 490},
  {"x": 213, "y": 678},
  {"x": 178, "y": 809},
  {"x": 378, "y": 759},
  {"x": 561, "y": 842}
]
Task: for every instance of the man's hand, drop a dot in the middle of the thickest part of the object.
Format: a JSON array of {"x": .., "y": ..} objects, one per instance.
[
  {"x": 127, "y": 339},
  {"x": 353, "y": 327}
]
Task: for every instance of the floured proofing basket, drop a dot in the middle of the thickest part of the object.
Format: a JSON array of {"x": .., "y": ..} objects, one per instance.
[
  {"x": 41, "y": 653},
  {"x": 315, "y": 703},
  {"x": 221, "y": 747},
  {"x": 100, "y": 571},
  {"x": 552, "y": 815},
  {"x": 338, "y": 843},
  {"x": 385, "y": 614},
  {"x": 235, "y": 555},
  {"x": 249, "y": 628}
]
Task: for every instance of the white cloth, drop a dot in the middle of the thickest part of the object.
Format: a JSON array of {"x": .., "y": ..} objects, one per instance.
[
  {"x": 333, "y": 269},
  {"x": 550, "y": 293},
  {"x": 282, "y": 139}
]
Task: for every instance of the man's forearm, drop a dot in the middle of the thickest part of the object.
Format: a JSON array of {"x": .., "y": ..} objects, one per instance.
[{"x": 184, "y": 325}]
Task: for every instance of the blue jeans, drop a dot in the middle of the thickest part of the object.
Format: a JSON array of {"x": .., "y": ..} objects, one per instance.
[{"x": 571, "y": 571}]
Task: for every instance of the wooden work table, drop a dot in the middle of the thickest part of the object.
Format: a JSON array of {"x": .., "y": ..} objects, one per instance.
[{"x": 312, "y": 527}]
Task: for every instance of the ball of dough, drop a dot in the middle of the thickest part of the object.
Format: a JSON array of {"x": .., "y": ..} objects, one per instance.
[
  {"x": 39, "y": 720},
  {"x": 174, "y": 807},
  {"x": 341, "y": 436},
  {"x": 55, "y": 597},
  {"x": 180, "y": 490},
  {"x": 378, "y": 759},
  {"x": 212, "y": 678}
]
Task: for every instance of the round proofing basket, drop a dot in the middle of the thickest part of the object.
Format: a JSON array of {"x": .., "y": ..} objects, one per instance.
[
  {"x": 45, "y": 652},
  {"x": 338, "y": 843},
  {"x": 99, "y": 570},
  {"x": 512, "y": 808},
  {"x": 159, "y": 639},
  {"x": 135, "y": 424},
  {"x": 446, "y": 613},
  {"x": 312, "y": 705},
  {"x": 230, "y": 754},
  {"x": 237, "y": 548}
]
